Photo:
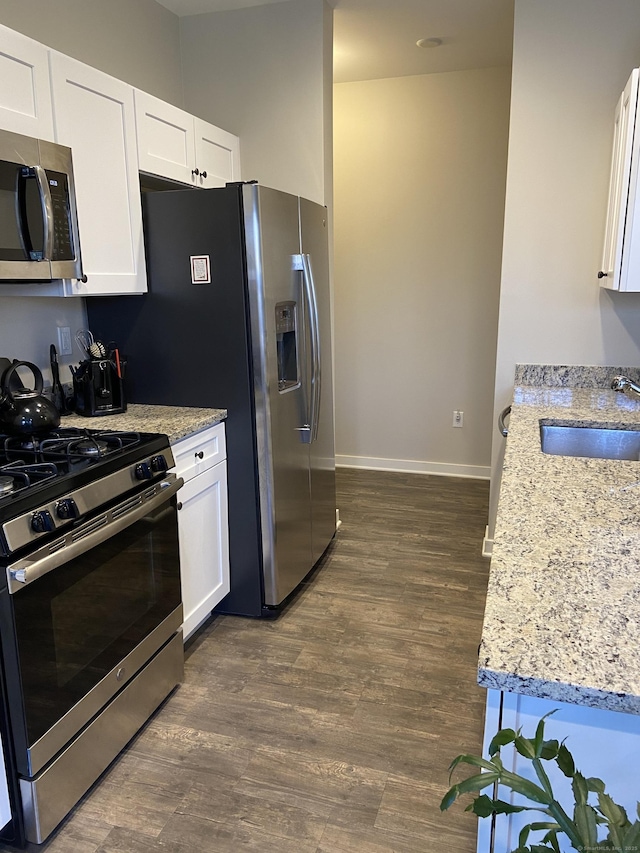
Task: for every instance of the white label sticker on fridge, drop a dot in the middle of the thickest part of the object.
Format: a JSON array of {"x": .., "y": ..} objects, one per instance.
[{"x": 200, "y": 269}]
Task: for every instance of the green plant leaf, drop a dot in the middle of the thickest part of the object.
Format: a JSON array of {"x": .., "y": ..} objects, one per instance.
[
  {"x": 614, "y": 813},
  {"x": 501, "y": 738},
  {"x": 449, "y": 798},
  {"x": 524, "y": 835},
  {"x": 549, "y": 749},
  {"x": 616, "y": 818},
  {"x": 484, "y": 806},
  {"x": 525, "y": 746},
  {"x": 523, "y": 786},
  {"x": 539, "y": 738},
  {"x": 580, "y": 789},
  {"x": 595, "y": 785},
  {"x": 542, "y": 776},
  {"x": 475, "y": 760},
  {"x": 477, "y": 783},
  {"x": 472, "y": 783},
  {"x": 631, "y": 837},
  {"x": 565, "y": 761},
  {"x": 552, "y": 839},
  {"x": 584, "y": 817}
]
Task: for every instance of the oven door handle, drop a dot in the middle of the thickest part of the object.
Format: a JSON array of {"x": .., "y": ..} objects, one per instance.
[{"x": 95, "y": 531}]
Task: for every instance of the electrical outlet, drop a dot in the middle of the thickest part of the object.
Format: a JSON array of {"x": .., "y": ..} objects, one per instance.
[
  {"x": 458, "y": 419},
  {"x": 64, "y": 340}
]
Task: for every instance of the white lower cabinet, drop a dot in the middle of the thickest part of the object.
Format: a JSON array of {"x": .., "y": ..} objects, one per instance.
[
  {"x": 203, "y": 526},
  {"x": 605, "y": 744}
]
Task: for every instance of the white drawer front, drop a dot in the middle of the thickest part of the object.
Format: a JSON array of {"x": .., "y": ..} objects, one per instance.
[{"x": 199, "y": 452}]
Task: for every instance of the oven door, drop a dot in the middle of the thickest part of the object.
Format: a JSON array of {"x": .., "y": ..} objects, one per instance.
[{"x": 84, "y": 614}]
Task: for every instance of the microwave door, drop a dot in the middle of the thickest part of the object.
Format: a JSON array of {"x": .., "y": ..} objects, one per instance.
[
  {"x": 17, "y": 259},
  {"x": 63, "y": 228}
]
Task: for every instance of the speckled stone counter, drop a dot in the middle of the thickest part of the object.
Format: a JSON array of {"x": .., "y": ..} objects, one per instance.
[
  {"x": 562, "y": 619},
  {"x": 175, "y": 421}
]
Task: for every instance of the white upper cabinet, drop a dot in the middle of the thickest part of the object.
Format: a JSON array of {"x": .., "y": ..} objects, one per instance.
[
  {"x": 25, "y": 97},
  {"x": 175, "y": 145},
  {"x": 621, "y": 255},
  {"x": 94, "y": 116},
  {"x": 217, "y": 154}
]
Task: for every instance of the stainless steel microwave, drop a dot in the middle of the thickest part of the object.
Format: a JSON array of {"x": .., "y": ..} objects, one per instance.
[{"x": 38, "y": 221}]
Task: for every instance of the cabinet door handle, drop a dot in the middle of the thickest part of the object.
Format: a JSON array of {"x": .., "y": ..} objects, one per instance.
[
  {"x": 602, "y": 274},
  {"x": 179, "y": 505},
  {"x": 204, "y": 174},
  {"x": 195, "y": 171},
  {"x": 200, "y": 454}
]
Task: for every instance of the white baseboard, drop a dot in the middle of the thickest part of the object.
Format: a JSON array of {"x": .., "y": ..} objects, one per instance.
[
  {"x": 487, "y": 544},
  {"x": 413, "y": 466}
]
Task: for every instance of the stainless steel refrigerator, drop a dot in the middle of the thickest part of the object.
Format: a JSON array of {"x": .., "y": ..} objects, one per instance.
[{"x": 238, "y": 317}]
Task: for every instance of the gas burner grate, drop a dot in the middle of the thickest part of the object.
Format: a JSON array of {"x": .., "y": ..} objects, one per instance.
[
  {"x": 68, "y": 444},
  {"x": 18, "y": 475}
]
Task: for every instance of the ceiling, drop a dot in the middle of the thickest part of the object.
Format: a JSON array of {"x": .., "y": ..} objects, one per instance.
[{"x": 377, "y": 38}]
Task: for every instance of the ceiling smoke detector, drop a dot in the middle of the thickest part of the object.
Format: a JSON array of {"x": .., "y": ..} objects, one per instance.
[{"x": 430, "y": 42}]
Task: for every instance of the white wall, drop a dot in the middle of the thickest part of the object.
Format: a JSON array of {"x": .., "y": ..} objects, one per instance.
[
  {"x": 420, "y": 166},
  {"x": 571, "y": 60},
  {"x": 134, "y": 40},
  {"x": 264, "y": 73}
]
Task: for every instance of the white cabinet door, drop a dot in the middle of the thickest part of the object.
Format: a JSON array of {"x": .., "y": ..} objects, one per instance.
[
  {"x": 166, "y": 145},
  {"x": 94, "y": 116},
  {"x": 203, "y": 524},
  {"x": 25, "y": 96},
  {"x": 621, "y": 253},
  {"x": 204, "y": 545},
  {"x": 603, "y": 743},
  {"x": 175, "y": 145},
  {"x": 217, "y": 154}
]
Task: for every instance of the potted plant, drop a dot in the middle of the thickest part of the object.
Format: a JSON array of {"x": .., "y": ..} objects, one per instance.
[{"x": 593, "y": 812}]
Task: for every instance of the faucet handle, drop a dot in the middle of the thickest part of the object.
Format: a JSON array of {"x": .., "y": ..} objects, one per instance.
[{"x": 619, "y": 382}]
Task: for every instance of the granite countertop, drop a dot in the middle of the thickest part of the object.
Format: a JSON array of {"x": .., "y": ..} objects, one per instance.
[
  {"x": 175, "y": 421},
  {"x": 562, "y": 618}
]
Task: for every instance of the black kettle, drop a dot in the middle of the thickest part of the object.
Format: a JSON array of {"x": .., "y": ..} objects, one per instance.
[{"x": 26, "y": 412}]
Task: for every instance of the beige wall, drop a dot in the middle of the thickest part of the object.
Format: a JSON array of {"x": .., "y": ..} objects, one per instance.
[
  {"x": 133, "y": 40},
  {"x": 264, "y": 73},
  {"x": 571, "y": 61},
  {"x": 420, "y": 165}
]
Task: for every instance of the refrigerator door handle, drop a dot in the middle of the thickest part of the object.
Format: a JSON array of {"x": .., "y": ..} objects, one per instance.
[
  {"x": 314, "y": 328},
  {"x": 305, "y": 431}
]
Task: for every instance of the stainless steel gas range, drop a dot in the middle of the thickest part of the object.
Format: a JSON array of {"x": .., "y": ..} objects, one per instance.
[{"x": 90, "y": 609}]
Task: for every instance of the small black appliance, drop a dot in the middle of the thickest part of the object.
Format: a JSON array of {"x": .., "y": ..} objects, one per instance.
[{"x": 99, "y": 387}]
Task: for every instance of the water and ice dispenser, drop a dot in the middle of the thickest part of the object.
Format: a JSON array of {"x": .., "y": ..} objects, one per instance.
[{"x": 287, "y": 345}]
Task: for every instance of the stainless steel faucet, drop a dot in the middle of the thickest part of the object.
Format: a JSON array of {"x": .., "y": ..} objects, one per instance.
[{"x": 625, "y": 386}]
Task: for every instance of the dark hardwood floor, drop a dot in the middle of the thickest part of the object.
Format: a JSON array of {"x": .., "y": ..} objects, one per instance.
[{"x": 330, "y": 729}]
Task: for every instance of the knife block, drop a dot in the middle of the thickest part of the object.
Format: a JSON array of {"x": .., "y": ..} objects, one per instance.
[{"x": 98, "y": 388}]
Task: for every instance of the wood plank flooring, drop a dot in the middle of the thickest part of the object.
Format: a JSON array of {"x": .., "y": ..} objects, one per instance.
[{"x": 330, "y": 729}]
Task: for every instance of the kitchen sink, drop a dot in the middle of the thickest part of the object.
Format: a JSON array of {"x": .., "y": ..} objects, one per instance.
[{"x": 598, "y": 442}]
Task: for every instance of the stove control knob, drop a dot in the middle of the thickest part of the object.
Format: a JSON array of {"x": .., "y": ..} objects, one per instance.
[
  {"x": 159, "y": 464},
  {"x": 67, "y": 508},
  {"x": 143, "y": 471},
  {"x": 42, "y": 521}
]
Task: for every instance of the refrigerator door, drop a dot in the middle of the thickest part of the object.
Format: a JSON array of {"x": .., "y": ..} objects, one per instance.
[
  {"x": 277, "y": 321},
  {"x": 314, "y": 247}
]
